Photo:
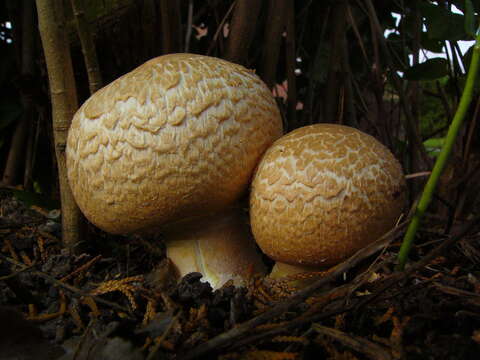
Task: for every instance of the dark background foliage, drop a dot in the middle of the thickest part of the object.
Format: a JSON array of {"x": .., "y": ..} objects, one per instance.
[{"x": 349, "y": 62}]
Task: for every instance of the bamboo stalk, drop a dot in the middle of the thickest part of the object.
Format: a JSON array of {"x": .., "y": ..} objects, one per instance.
[
  {"x": 171, "y": 26},
  {"x": 290, "y": 55},
  {"x": 274, "y": 28},
  {"x": 51, "y": 22},
  {"x": 88, "y": 46},
  {"x": 242, "y": 29},
  {"x": 333, "y": 100}
]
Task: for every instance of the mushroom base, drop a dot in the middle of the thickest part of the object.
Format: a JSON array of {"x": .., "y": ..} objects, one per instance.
[
  {"x": 219, "y": 246},
  {"x": 300, "y": 275}
]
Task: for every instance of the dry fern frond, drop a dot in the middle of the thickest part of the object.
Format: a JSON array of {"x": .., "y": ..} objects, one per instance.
[
  {"x": 49, "y": 316},
  {"x": 41, "y": 248},
  {"x": 196, "y": 319},
  {"x": 385, "y": 317},
  {"x": 268, "y": 355},
  {"x": 290, "y": 339},
  {"x": 396, "y": 336},
  {"x": 73, "y": 310},
  {"x": 229, "y": 356},
  {"x": 25, "y": 258},
  {"x": 149, "y": 311},
  {"x": 269, "y": 326},
  {"x": 260, "y": 293},
  {"x": 282, "y": 289},
  {"x": 334, "y": 353},
  {"x": 147, "y": 343},
  {"x": 90, "y": 302},
  {"x": 340, "y": 321},
  {"x": 125, "y": 286},
  {"x": 7, "y": 246}
]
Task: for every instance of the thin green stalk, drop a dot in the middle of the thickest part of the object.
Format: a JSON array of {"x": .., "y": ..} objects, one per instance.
[{"x": 442, "y": 158}]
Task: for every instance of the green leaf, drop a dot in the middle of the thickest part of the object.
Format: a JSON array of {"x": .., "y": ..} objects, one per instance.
[
  {"x": 443, "y": 24},
  {"x": 429, "y": 70},
  {"x": 434, "y": 143},
  {"x": 433, "y": 45}
]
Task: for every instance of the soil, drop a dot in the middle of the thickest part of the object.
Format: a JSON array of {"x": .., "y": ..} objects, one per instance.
[{"x": 117, "y": 299}]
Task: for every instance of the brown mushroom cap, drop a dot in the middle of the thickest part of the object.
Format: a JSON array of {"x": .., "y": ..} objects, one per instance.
[
  {"x": 322, "y": 192},
  {"x": 176, "y": 137}
]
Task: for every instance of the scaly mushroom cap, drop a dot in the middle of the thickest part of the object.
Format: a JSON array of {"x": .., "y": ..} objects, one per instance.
[
  {"x": 176, "y": 137},
  {"x": 322, "y": 192}
]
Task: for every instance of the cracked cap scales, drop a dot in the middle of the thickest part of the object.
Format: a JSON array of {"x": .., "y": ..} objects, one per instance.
[{"x": 178, "y": 136}]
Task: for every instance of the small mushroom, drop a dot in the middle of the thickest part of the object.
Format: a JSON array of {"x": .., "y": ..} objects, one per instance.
[
  {"x": 174, "y": 139},
  {"x": 321, "y": 193}
]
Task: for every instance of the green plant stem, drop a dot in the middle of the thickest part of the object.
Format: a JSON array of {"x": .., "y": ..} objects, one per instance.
[{"x": 442, "y": 159}]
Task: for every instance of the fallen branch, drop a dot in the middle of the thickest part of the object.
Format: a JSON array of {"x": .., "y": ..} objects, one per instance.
[{"x": 364, "y": 346}]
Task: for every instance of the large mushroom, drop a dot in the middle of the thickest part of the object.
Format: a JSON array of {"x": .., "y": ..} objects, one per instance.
[
  {"x": 174, "y": 139},
  {"x": 321, "y": 193}
]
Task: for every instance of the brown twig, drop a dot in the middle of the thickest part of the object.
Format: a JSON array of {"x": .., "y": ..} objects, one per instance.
[
  {"x": 88, "y": 46},
  {"x": 75, "y": 291},
  {"x": 457, "y": 292},
  {"x": 418, "y": 174},
  {"x": 161, "y": 338},
  {"x": 370, "y": 349},
  {"x": 16, "y": 273},
  {"x": 219, "y": 29},
  {"x": 82, "y": 268}
]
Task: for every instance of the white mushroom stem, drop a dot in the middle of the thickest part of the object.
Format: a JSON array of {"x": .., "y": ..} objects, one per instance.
[{"x": 219, "y": 246}]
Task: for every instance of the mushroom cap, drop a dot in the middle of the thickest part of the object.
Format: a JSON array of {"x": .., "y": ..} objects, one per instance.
[
  {"x": 220, "y": 247},
  {"x": 176, "y": 137},
  {"x": 322, "y": 192}
]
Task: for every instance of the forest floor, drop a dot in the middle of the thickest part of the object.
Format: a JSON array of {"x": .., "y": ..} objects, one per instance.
[{"x": 116, "y": 300}]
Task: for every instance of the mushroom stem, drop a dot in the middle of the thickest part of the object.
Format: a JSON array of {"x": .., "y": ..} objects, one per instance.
[
  {"x": 296, "y": 276},
  {"x": 281, "y": 270},
  {"x": 218, "y": 246}
]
